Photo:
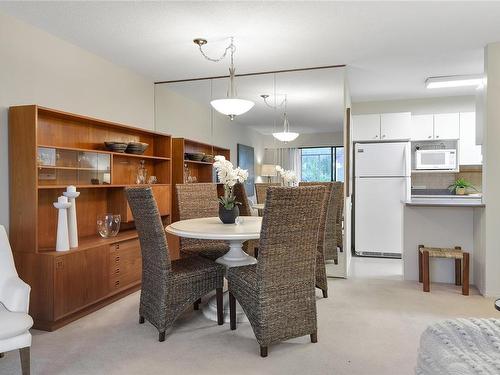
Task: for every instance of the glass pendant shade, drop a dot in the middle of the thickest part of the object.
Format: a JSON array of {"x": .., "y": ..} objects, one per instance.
[
  {"x": 285, "y": 136},
  {"x": 232, "y": 106}
]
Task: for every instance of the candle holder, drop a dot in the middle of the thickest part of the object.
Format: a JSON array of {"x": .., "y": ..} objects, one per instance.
[
  {"x": 62, "y": 243},
  {"x": 72, "y": 194}
]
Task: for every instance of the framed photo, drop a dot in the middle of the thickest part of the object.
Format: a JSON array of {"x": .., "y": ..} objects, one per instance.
[{"x": 246, "y": 161}]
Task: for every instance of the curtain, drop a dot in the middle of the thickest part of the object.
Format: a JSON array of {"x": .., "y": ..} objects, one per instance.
[{"x": 286, "y": 158}]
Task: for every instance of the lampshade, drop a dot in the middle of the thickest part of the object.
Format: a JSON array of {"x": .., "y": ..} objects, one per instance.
[
  {"x": 232, "y": 106},
  {"x": 268, "y": 170},
  {"x": 285, "y": 136}
]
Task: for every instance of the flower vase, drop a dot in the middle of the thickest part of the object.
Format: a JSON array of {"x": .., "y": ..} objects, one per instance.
[{"x": 228, "y": 216}]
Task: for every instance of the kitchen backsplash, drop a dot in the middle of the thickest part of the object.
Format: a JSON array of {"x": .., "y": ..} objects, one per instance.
[{"x": 473, "y": 174}]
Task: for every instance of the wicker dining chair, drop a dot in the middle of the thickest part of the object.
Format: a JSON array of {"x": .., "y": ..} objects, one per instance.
[
  {"x": 326, "y": 237},
  {"x": 260, "y": 192},
  {"x": 339, "y": 192},
  {"x": 195, "y": 201},
  {"x": 245, "y": 210},
  {"x": 278, "y": 293},
  {"x": 168, "y": 287}
]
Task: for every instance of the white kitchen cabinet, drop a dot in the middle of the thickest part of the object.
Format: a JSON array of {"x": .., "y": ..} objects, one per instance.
[
  {"x": 366, "y": 127},
  {"x": 469, "y": 152},
  {"x": 395, "y": 126},
  {"x": 422, "y": 127},
  {"x": 446, "y": 126}
]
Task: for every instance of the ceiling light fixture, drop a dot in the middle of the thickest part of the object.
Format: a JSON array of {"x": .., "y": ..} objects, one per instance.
[
  {"x": 454, "y": 81},
  {"x": 286, "y": 135},
  {"x": 231, "y": 105}
]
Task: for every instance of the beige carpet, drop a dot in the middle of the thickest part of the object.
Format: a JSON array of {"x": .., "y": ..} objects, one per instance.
[{"x": 367, "y": 326}]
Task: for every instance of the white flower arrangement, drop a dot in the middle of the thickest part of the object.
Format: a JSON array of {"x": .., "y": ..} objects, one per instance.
[
  {"x": 229, "y": 176},
  {"x": 289, "y": 176}
]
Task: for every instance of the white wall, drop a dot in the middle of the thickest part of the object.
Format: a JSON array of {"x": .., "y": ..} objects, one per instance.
[
  {"x": 38, "y": 68},
  {"x": 183, "y": 117},
  {"x": 423, "y": 106}
]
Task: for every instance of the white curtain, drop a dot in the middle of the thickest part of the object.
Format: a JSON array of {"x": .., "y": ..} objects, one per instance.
[{"x": 288, "y": 158}]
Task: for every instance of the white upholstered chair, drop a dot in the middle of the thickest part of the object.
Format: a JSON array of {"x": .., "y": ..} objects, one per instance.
[{"x": 14, "y": 301}]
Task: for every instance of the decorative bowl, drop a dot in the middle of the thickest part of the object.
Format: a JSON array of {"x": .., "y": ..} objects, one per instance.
[
  {"x": 108, "y": 225},
  {"x": 137, "y": 148},
  {"x": 116, "y": 146}
]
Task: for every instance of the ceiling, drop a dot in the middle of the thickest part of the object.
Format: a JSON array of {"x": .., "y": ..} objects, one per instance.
[
  {"x": 315, "y": 99},
  {"x": 389, "y": 47}
]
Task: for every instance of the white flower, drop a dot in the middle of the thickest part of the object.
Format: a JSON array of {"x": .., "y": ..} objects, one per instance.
[
  {"x": 227, "y": 174},
  {"x": 289, "y": 177}
]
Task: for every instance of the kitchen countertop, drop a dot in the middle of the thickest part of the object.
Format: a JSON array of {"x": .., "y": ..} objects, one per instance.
[{"x": 472, "y": 200}]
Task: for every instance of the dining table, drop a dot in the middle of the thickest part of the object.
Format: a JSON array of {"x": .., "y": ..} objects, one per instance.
[
  {"x": 258, "y": 206},
  {"x": 211, "y": 228}
]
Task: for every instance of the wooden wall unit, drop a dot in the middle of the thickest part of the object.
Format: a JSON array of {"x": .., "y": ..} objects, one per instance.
[
  {"x": 203, "y": 171},
  {"x": 68, "y": 285}
]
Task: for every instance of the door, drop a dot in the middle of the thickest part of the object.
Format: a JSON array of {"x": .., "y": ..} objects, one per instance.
[
  {"x": 395, "y": 126},
  {"x": 469, "y": 152},
  {"x": 422, "y": 127},
  {"x": 379, "y": 214},
  {"x": 447, "y": 126},
  {"x": 366, "y": 127},
  {"x": 382, "y": 159}
]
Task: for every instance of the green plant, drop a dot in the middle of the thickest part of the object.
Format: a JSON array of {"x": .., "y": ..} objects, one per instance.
[
  {"x": 228, "y": 200},
  {"x": 461, "y": 183}
]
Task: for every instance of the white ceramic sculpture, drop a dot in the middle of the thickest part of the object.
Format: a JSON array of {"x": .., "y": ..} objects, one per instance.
[
  {"x": 62, "y": 205},
  {"x": 72, "y": 194}
]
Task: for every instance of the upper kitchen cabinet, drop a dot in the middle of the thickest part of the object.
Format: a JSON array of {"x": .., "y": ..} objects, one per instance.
[
  {"x": 376, "y": 127},
  {"x": 422, "y": 127},
  {"x": 394, "y": 126},
  {"x": 366, "y": 127},
  {"x": 469, "y": 152},
  {"x": 447, "y": 126}
]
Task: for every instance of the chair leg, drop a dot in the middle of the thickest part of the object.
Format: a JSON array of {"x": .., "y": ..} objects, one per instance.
[
  {"x": 458, "y": 271},
  {"x": 263, "y": 351},
  {"x": 420, "y": 276},
  {"x": 141, "y": 320},
  {"x": 256, "y": 252},
  {"x": 325, "y": 293},
  {"x": 314, "y": 337},
  {"x": 232, "y": 311},
  {"x": 465, "y": 275},
  {"x": 196, "y": 305},
  {"x": 161, "y": 336},
  {"x": 220, "y": 306},
  {"x": 425, "y": 271},
  {"x": 24, "y": 354}
]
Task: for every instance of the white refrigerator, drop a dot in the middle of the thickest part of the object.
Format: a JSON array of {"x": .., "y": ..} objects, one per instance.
[{"x": 382, "y": 183}]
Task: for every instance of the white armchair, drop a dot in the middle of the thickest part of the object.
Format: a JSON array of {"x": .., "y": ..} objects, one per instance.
[{"x": 14, "y": 302}]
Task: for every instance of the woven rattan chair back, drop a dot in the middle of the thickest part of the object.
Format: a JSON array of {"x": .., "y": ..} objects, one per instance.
[
  {"x": 197, "y": 200},
  {"x": 288, "y": 241},
  {"x": 242, "y": 198}
]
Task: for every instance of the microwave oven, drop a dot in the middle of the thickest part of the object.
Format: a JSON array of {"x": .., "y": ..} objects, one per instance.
[{"x": 436, "y": 159}]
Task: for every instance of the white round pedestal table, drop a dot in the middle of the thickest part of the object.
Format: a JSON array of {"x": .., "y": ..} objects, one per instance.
[{"x": 211, "y": 228}]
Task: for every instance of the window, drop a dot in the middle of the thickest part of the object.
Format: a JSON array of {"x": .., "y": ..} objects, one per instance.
[{"x": 322, "y": 164}]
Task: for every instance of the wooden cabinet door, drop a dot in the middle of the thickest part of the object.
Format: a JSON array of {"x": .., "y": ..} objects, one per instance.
[
  {"x": 422, "y": 127},
  {"x": 81, "y": 278},
  {"x": 366, "y": 127},
  {"x": 469, "y": 152},
  {"x": 395, "y": 126},
  {"x": 446, "y": 126}
]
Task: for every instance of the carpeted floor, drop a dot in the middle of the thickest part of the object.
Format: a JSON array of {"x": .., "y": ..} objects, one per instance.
[{"x": 367, "y": 326}]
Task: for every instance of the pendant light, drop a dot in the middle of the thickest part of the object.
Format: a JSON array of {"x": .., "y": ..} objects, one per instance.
[
  {"x": 231, "y": 105},
  {"x": 286, "y": 135}
]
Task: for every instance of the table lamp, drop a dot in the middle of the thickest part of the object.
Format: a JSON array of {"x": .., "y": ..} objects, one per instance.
[{"x": 268, "y": 170}]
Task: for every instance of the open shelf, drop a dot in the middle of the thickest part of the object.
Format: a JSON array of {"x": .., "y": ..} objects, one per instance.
[
  {"x": 97, "y": 186},
  {"x": 197, "y": 162},
  {"x": 106, "y": 152}
]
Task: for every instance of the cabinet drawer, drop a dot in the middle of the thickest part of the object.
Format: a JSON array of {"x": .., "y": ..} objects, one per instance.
[{"x": 125, "y": 265}]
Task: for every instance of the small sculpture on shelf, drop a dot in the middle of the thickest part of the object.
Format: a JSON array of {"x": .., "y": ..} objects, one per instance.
[
  {"x": 72, "y": 194},
  {"x": 62, "y": 243},
  {"x": 142, "y": 174}
]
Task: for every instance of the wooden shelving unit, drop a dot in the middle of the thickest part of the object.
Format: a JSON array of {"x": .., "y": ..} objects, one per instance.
[
  {"x": 50, "y": 150},
  {"x": 182, "y": 167}
]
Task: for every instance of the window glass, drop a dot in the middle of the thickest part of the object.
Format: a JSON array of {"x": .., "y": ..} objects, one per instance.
[{"x": 322, "y": 164}]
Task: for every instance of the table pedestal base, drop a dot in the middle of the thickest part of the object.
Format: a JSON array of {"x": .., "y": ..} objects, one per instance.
[{"x": 233, "y": 258}]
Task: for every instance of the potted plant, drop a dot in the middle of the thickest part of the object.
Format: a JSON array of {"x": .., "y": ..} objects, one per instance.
[
  {"x": 229, "y": 176},
  {"x": 289, "y": 177},
  {"x": 460, "y": 186}
]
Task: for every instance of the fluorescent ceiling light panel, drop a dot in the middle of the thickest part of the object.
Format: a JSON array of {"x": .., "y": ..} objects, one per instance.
[{"x": 474, "y": 80}]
